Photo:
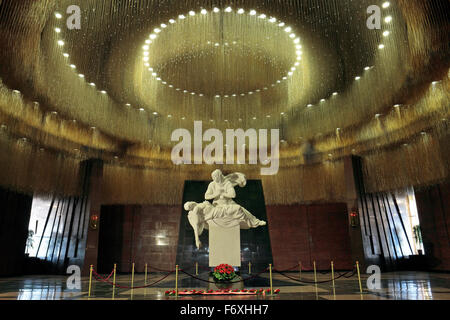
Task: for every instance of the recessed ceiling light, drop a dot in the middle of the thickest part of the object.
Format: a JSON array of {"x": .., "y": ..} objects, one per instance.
[
  {"x": 252, "y": 12},
  {"x": 58, "y": 15},
  {"x": 386, "y": 4},
  {"x": 228, "y": 9},
  {"x": 241, "y": 11},
  {"x": 203, "y": 11},
  {"x": 388, "y": 19}
]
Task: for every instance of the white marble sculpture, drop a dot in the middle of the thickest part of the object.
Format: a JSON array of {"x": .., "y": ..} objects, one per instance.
[{"x": 223, "y": 212}]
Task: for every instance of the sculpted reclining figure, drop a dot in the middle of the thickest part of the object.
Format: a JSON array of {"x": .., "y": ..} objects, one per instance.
[{"x": 223, "y": 211}]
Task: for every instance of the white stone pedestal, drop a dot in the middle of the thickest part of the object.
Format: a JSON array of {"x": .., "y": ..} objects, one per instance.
[{"x": 224, "y": 245}]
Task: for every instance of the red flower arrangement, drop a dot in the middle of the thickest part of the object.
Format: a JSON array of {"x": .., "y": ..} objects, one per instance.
[
  {"x": 222, "y": 292},
  {"x": 224, "y": 272}
]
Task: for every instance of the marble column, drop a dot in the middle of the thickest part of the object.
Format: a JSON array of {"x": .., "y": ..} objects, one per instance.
[
  {"x": 93, "y": 209},
  {"x": 355, "y": 234}
]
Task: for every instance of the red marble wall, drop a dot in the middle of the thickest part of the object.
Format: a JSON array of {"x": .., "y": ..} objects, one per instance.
[
  {"x": 158, "y": 237},
  {"x": 149, "y": 234},
  {"x": 310, "y": 232},
  {"x": 297, "y": 233},
  {"x": 433, "y": 207}
]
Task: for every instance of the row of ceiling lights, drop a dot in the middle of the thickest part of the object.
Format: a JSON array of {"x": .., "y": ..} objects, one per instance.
[
  {"x": 153, "y": 36},
  {"x": 156, "y": 31}
]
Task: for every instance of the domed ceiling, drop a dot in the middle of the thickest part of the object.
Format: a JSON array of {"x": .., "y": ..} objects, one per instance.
[{"x": 139, "y": 69}]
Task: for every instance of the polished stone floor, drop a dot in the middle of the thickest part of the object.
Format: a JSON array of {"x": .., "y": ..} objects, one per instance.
[{"x": 394, "y": 286}]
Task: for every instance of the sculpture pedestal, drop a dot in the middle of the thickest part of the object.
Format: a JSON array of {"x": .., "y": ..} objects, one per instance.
[{"x": 224, "y": 245}]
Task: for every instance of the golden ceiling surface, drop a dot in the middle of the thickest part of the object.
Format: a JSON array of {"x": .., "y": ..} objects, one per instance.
[{"x": 139, "y": 69}]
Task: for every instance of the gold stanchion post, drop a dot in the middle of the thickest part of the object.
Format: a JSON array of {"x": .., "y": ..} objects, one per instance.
[
  {"x": 132, "y": 279},
  {"x": 145, "y": 277},
  {"x": 315, "y": 273},
  {"x": 315, "y": 280},
  {"x": 249, "y": 268},
  {"x": 114, "y": 281},
  {"x": 332, "y": 278},
  {"x": 90, "y": 279},
  {"x": 270, "y": 273},
  {"x": 196, "y": 268},
  {"x": 332, "y": 272},
  {"x": 359, "y": 277},
  {"x": 176, "y": 281}
]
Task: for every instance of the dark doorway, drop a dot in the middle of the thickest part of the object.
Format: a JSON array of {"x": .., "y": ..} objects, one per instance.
[{"x": 110, "y": 240}]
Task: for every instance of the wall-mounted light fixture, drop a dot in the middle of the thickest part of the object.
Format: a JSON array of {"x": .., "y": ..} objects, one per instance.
[
  {"x": 93, "y": 222},
  {"x": 354, "y": 218}
]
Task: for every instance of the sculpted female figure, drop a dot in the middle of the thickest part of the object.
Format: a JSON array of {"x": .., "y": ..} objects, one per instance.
[{"x": 223, "y": 211}]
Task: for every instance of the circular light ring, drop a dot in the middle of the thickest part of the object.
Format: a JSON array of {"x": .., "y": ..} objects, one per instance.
[
  {"x": 271, "y": 19},
  {"x": 295, "y": 41}
]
